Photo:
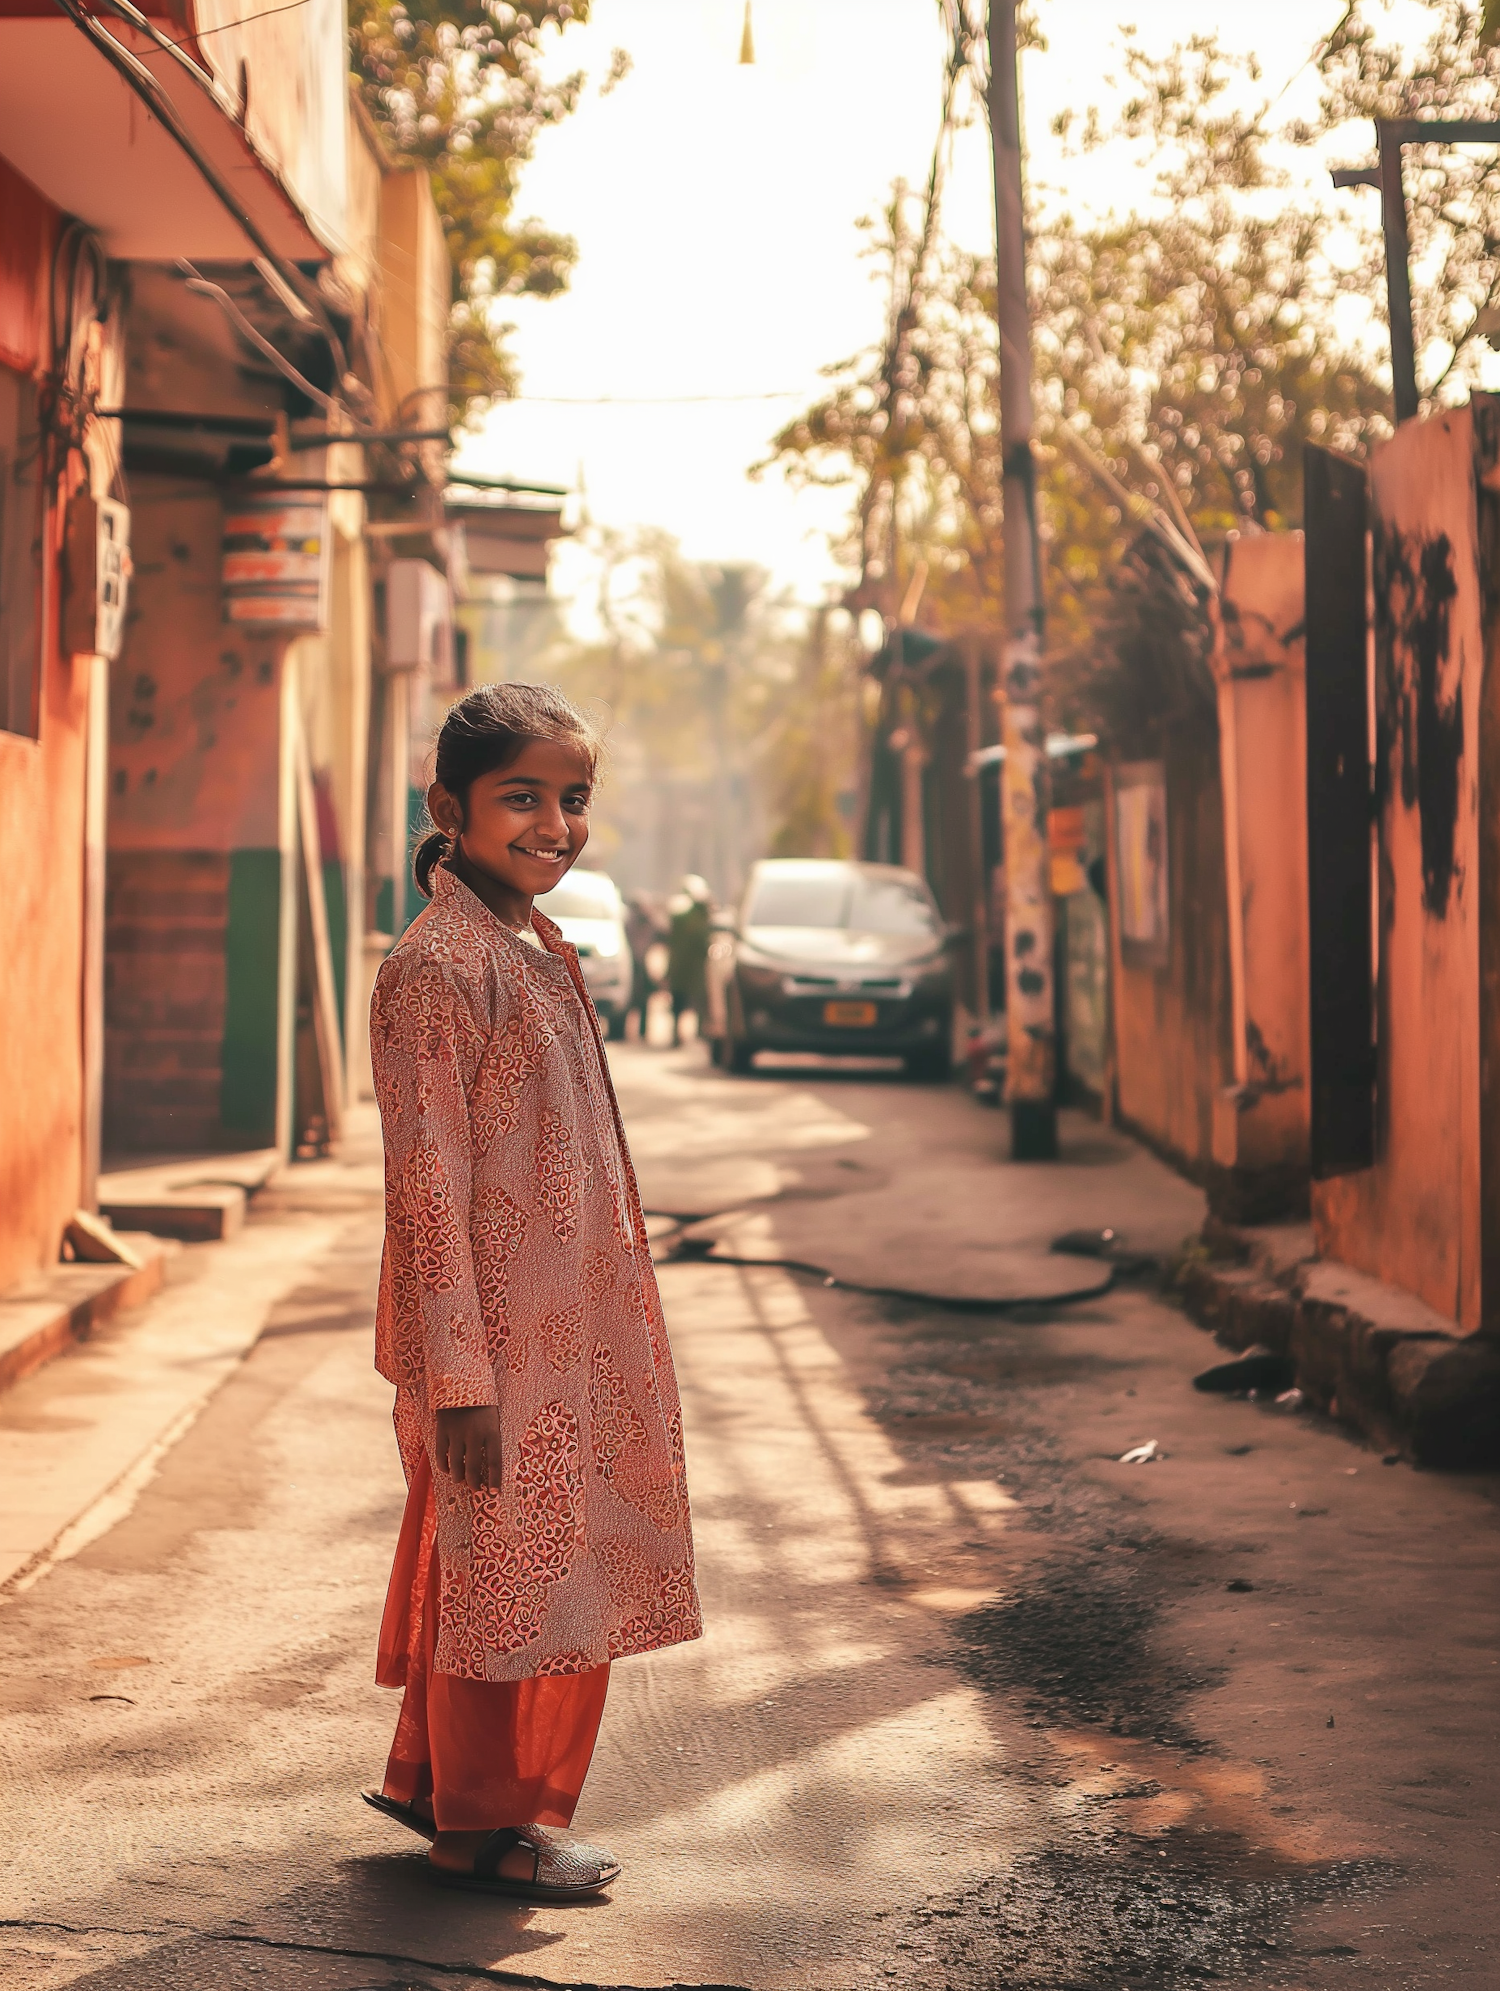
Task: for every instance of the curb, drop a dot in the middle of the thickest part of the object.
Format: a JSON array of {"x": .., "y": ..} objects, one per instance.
[
  {"x": 200, "y": 1200},
  {"x": 49, "y": 1314},
  {"x": 1370, "y": 1356}
]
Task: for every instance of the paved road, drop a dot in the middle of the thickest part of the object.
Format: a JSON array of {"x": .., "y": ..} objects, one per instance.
[{"x": 979, "y": 1707}]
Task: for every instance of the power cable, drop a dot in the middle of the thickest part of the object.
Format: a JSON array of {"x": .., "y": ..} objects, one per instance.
[
  {"x": 644, "y": 400},
  {"x": 150, "y": 90},
  {"x": 703, "y": 1251},
  {"x": 257, "y": 339},
  {"x": 202, "y": 34}
]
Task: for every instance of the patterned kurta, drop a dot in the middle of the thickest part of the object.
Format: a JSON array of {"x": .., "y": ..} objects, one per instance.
[{"x": 516, "y": 1273}]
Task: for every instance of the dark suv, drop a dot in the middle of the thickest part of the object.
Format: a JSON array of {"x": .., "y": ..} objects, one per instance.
[{"x": 837, "y": 957}]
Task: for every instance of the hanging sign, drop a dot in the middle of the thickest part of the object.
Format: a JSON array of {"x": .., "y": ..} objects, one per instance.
[{"x": 276, "y": 561}]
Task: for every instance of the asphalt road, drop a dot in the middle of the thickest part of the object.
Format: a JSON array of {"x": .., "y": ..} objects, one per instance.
[{"x": 979, "y": 1705}]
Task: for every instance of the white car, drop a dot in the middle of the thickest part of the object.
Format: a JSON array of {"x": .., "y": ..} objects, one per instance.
[{"x": 588, "y": 908}]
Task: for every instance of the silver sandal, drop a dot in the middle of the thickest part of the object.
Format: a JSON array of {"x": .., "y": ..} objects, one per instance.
[
  {"x": 404, "y": 1814},
  {"x": 563, "y": 1868}
]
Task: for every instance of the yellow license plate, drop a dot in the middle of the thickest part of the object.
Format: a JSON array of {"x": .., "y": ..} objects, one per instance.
[{"x": 847, "y": 1013}]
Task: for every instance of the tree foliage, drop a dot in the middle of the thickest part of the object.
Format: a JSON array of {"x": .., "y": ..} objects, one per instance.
[
  {"x": 1188, "y": 348},
  {"x": 458, "y": 86},
  {"x": 705, "y": 679}
]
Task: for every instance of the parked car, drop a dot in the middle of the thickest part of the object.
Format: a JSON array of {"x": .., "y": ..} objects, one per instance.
[
  {"x": 832, "y": 956},
  {"x": 588, "y": 907}
]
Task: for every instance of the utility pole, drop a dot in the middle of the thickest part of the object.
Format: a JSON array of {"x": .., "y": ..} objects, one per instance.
[
  {"x": 1025, "y": 778},
  {"x": 1391, "y": 135}
]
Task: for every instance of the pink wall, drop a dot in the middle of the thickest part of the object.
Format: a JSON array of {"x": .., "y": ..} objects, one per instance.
[
  {"x": 195, "y": 703},
  {"x": 41, "y": 1020},
  {"x": 1414, "y": 1218},
  {"x": 41, "y": 861}
]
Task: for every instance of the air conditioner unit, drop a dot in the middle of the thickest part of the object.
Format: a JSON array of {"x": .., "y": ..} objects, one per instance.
[
  {"x": 96, "y": 576},
  {"x": 418, "y": 620}
]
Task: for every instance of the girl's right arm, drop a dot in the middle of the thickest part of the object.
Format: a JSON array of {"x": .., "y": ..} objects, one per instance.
[{"x": 426, "y": 1040}]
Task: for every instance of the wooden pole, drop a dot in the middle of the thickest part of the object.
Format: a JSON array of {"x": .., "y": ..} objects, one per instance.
[
  {"x": 1026, "y": 782},
  {"x": 1397, "y": 269}
]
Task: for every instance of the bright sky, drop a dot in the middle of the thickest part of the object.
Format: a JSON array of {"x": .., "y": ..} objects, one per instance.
[{"x": 715, "y": 206}]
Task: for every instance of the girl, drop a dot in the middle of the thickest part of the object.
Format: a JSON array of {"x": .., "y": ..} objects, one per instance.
[{"x": 546, "y": 1530}]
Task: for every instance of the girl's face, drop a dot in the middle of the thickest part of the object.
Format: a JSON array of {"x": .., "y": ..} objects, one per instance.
[{"x": 523, "y": 826}]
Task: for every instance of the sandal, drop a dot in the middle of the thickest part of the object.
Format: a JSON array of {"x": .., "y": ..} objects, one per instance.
[
  {"x": 563, "y": 1868},
  {"x": 404, "y": 1814}
]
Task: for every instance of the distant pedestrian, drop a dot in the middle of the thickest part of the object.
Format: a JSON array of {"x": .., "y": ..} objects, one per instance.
[
  {"x": 546, "y": 1530},
  {"x": 644, "y": 928},
  {"x": 687, "y": 951}
]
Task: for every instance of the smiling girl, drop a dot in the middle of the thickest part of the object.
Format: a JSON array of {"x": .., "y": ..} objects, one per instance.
[{"x": 546, "y": 1530}]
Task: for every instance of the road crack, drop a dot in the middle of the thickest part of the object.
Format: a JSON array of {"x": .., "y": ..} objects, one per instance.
[{"x": 488, "y": 1973}]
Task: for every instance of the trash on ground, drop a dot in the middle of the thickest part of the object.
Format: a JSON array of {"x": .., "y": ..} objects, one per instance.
[
  {"x": 1289, "y": 1400},
  {"x": 1256, "y": 1369},
  {"x": 1105, "y": 1243},
  {"x": 1141, "y": 1455}
]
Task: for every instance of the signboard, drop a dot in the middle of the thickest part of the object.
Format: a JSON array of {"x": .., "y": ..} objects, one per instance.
[
  {"x": 276, "y": 561},
  {"x": 1141, "y": 856}
]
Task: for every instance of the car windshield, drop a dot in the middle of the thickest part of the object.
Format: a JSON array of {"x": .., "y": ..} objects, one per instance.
[
  {"x": 890, "y": 905},
  {"x": 582, "y": 895},
  {"x": 859, "y": 901}
]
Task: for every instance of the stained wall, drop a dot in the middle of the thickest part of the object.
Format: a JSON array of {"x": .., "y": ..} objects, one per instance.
[
  {"x": 1414, "y": 1218},
  {"x": 42, "y": 790}
]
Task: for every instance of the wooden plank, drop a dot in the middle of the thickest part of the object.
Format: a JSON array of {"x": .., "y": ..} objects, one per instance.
[
  {"x": 1485, "y": 412},
  {"x": 1342, "y": 993}
]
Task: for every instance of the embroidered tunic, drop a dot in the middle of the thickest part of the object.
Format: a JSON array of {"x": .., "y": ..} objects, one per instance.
[{"x": 516, "y": 1273}]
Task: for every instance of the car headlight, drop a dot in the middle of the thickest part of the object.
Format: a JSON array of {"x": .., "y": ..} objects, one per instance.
[
  {"x": 932, "y": 969},
  {"x": 759, "y": 973},
  {"x": 608, "y": 946}
]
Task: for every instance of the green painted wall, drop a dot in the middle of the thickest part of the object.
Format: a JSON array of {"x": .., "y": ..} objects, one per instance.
[
  {"x": 418, "y": 823},
  {"x": 336, "y": 901},
  {"x": 251, "y": 948}
]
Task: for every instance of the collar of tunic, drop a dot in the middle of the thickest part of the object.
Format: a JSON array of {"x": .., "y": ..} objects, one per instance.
[{"x": 448, "y": 889}]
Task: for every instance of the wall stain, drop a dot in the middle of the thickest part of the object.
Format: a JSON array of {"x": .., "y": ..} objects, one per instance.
[{"x": 1420, "y": 738}]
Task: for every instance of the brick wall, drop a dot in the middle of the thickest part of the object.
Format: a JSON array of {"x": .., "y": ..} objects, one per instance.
[{"x": 167, "y": 913}]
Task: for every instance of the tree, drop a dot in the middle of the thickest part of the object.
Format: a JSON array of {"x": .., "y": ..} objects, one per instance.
[
  {"x": 1188, "y": 349},
  {"x": 458, "y": 86},
  {"x": 723, "y": 705}
]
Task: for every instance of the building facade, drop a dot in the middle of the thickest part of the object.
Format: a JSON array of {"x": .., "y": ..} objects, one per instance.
[{"x": 222, "y": 398}]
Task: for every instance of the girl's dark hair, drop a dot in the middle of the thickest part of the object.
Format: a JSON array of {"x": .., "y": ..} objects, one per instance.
[{"x": 488, "y": 730}]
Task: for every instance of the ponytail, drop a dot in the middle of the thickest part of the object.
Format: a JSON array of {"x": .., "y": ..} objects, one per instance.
[
  {"x": 488, "y": 730},
  {"x": 429, "y": 853}
]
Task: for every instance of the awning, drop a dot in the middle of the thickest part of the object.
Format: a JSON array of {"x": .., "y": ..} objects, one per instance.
[
  {"x": 72, "y": 124},
  {"x": 506, "y": 539}
]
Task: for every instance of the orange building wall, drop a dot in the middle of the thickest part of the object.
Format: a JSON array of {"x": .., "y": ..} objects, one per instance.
[
  {"x": 41, "y": 860},
  {"x": 1413, "y": 1219},
  {"x": 1171, "y": 1021},
  {"x": 1263, "y": 1124},
  {"x": 41, "y": 1017},
  {"x": 195, "y": 795}
]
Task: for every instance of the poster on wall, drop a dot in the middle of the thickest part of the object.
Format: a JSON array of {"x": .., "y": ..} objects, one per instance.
[
  {"x": 276, "y": 561},
  {"x": 1141, "y": 861}
]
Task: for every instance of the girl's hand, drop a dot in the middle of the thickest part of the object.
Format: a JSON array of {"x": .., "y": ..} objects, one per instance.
[{"x": 468, "y": 1446}]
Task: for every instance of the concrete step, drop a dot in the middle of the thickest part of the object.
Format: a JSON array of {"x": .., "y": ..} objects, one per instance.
[
  {"x": 51, "y": 1312},
  {"x": 198, "y": 1199}
]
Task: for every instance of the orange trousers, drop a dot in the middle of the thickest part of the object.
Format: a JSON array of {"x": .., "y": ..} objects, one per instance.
[{"x": 477, "y": 1754}]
